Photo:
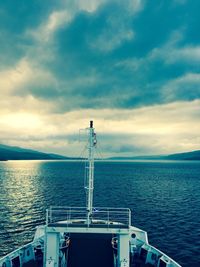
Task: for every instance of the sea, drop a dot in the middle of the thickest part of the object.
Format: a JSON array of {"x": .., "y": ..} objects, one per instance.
[{"x": 164, "y": 197}]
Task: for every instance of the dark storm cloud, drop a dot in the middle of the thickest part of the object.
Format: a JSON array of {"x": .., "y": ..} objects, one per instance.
[
  {"x": 15, "y": 18},
  {"x": 107, "y": 58}
]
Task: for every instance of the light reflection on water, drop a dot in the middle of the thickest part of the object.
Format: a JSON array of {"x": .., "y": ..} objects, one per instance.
[
  {"x": 19, "y": 198},
  {"x": 164, "y": 198}
]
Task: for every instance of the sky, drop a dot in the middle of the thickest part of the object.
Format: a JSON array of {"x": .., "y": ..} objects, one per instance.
[{"x": 132, "y": 66}]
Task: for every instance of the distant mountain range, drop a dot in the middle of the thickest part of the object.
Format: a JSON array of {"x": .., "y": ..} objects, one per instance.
[
  {"x": 193, "y": 155},
  {"x": 17, "y": 153}
]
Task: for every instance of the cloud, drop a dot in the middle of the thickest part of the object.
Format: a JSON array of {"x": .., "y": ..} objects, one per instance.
[
  {"x": 15, "y": 19},
  {"x": 116, "y": 26},
  {"x": 100, "y": 54},
  {"x": 147, "y": 130},
  {"x": 123, "y": 63},
  {"x": 186, "y": 87},
  {"x": 180, "y": 2},
  {"x": 172, "y": 52}
]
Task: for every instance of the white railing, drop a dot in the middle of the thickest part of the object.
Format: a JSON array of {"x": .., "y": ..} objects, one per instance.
[
  {"x": 19, "y": 251},
  {"x": 120, "y": 217}
]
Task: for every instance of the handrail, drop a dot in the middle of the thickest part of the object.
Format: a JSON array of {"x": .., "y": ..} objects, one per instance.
[
  {"x": 100, "y": 215},
  {"x": 9, "y": 255}
]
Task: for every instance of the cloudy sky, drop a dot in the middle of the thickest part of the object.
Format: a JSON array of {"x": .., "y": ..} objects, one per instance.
[{"x": 132, "y": 66}]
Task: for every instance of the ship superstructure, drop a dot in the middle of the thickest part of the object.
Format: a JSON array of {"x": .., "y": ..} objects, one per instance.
[{"x": 88, "y": 236}]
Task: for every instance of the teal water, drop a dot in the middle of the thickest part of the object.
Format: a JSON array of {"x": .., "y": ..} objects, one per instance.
[{"x": 163, "y": 196}]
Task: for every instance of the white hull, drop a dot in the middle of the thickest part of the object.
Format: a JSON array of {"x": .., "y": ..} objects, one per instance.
[{"x": 141, "y": 252}]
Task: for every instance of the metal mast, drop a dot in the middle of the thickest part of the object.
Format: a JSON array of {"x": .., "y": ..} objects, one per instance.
[{"x": 89, "y": 186}]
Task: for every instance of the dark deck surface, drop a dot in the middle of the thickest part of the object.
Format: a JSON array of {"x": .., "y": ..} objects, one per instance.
[{"x": 90, "y": 250}]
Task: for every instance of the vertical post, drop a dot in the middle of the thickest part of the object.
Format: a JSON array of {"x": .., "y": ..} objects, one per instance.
[
  {"x": 51, "y": 258},
  {"x": 129, "y": 214},
  {"x": 47, "y": 217},
  {"x": 123, "y": 250},
  {"x": 90, "y": 178}
]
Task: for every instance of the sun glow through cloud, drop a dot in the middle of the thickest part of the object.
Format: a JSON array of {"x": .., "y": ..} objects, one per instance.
[{"x": 22, "y": 121}]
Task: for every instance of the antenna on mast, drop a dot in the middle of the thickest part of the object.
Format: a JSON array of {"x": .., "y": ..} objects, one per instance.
[{"x": 89, "y": 185}]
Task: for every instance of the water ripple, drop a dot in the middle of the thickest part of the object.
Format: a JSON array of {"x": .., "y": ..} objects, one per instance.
[{"x": 163, "y": 196}]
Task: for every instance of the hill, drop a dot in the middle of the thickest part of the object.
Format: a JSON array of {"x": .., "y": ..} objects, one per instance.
[
  {"x": 193, "y": 155},
  {"x": 18, "y": 153}
]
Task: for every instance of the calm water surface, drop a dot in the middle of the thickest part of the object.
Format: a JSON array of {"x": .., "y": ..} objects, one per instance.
[{"x": 163, "y": 196}]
